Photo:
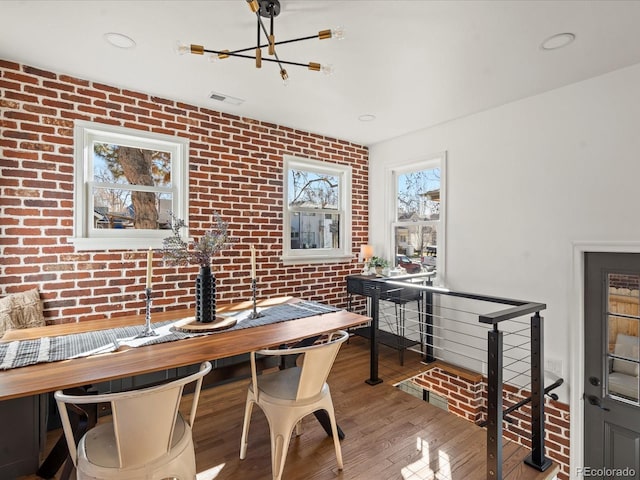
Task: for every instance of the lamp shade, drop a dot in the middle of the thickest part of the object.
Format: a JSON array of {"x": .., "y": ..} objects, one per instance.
[{"x": 366, "y": 251}]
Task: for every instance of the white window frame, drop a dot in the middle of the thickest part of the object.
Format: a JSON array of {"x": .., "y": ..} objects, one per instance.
[
  {"x": 318, "y": 255},
  {"x": 86, "y": 237},
  {"x": 434, "y": 161}
]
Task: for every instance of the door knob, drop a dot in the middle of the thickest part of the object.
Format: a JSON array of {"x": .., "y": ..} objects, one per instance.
[
  {"x": 595, "y": 401},
  {"x": 595, "y": 381}
]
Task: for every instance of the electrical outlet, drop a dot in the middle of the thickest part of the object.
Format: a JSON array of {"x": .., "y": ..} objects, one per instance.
[{"x": 553, "y": 365}]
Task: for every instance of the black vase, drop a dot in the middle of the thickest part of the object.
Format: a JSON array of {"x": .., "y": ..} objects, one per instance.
[{"x": 205, "y": 296}]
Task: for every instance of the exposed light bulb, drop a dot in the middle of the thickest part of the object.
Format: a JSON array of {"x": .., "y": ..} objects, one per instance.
[
  {"x": 216, "y": 57},
  {"x": 337, "y": 33},
  {"x": 327, "y": 69},
  {"x": 285, "y": 77},
  {"x": 181, "y": 48}
]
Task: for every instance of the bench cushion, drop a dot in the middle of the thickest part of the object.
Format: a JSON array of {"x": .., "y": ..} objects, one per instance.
[{"x": 21, "y": 310}]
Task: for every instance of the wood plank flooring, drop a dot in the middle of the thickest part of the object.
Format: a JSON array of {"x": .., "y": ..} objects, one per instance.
[{"x": 389, "y": 434}]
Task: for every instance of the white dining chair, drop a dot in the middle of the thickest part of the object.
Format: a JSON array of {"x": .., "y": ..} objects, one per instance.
[
  {"x": 287, "y": 396},
  {"x": 147, "y": 437}
]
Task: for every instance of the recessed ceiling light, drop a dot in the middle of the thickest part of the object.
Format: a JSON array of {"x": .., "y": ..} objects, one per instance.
[
  {"x": 367, "y": 117},
  {"x": 119, "y": 40},
  {"x": 557, "y": 41}
]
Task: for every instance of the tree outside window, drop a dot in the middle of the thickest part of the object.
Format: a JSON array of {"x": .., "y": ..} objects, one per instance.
[
  {"x": 418, "y": 230},
  {"x": 127, "y": 184},
  {"x": 313, "y": 201},
  {"x": 118, "y": 171},
  {"x": 317, "y": 210}
]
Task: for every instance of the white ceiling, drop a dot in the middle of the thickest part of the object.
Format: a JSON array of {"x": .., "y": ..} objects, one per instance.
[{"x": 412, "y": 64}]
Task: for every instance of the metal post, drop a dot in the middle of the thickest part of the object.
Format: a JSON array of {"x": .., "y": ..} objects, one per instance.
[
  {"x": 537, "y": 458},
  {"x": 494, "y": 407},
  {"x": 428, "y": 316},
  {"x": 373, "y": 363}
]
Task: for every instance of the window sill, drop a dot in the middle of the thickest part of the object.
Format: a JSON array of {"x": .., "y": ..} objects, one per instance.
[
  {"x": 86, "y": 244},
  {"x": 316, "y": 259}
]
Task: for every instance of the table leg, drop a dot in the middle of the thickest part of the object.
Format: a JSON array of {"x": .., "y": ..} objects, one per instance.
[
  {"x": 323, "y": 418},
  {"x": 82, "y": 419}
]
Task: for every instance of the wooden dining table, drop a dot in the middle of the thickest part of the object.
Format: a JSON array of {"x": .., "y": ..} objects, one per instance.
[
  {"x": 128, "y": 362},
  {"x": 124, "y": 362}
]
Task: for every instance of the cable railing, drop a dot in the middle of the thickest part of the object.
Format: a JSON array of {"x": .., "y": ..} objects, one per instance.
[{"x": 505, "y": 344}]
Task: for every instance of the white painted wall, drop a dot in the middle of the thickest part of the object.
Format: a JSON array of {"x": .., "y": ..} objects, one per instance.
[{"x": 526, "y": 182}]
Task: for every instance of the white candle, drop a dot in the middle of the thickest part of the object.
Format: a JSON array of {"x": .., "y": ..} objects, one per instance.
[
  {"x": 253, "y": 262},
  {"x": 149, "y": 266}
]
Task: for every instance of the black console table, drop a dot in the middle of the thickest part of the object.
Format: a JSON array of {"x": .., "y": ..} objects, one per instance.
[{"x": 399, "y": 296}]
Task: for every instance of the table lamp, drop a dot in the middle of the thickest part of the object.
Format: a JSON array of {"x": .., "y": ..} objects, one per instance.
[{"x": 366, "y": 252}]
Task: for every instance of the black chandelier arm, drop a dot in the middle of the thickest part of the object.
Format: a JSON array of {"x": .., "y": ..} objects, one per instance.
[
  {"x": 282, "y": 42},
  {"x": 258, "y": 50},
  {"x": 271, "y": 17},
  {"x": 258, "y": 41},
  {"x": 251, "y": 57},
  {"x": 269, "y": 9},
  {"x": 310, "y": 37},
  {"x": 274, "y": 53}
]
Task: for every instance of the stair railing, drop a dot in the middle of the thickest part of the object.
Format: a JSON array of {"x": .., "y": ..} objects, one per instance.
[{"x": 494, "y": 361}]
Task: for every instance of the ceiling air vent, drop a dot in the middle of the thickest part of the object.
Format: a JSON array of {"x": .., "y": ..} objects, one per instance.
[{"x": 221, "y": 97}]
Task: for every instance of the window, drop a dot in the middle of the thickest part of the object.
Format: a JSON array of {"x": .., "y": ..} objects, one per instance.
[
  {"x": 418, "y": 230},
  {"x": 317, "y": 211},
  {"x": 127, "y": 181}
]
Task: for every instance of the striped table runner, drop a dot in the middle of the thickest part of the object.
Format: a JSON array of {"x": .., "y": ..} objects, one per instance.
[{"x": 52, "y": 349}]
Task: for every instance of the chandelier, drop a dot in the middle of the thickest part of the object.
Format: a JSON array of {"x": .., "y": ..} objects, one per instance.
[{"x": 268, "y": 9}]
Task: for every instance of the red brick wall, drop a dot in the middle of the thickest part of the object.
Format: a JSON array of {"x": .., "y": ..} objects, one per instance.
[
  {"x": 235, "y": 167},
  {"x": 468, "y": 399}
]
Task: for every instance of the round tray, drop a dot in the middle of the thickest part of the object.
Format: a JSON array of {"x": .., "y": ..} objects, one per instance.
[{"x": 190, "y": 325}]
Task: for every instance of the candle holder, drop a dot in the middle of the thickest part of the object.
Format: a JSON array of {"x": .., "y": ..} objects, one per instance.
[
  {"x": 148, "y": 331},
  {"x": 254, "y": 289}
]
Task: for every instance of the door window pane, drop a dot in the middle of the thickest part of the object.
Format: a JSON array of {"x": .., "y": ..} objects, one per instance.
[{"x": 623, "y": 322}]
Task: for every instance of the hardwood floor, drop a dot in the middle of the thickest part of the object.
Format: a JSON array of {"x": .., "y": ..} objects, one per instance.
[{"x": 389, "y": 434}]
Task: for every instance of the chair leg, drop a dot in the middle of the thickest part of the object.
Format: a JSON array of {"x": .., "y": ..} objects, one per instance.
[
  {"x": 334, "y": 431},
  {"x": 280, "y": 438},
  {"x": 245, "y": 428}
]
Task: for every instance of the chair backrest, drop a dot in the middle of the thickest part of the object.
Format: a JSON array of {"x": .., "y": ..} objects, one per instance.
[
  {"x": 316, "y": 364},
  {"x": 143, "y": 420}
]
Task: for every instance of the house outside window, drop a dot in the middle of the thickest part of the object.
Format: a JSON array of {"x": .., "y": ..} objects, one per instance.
[
  {"x": 127, "y": 182},
  {"x": 317, "y": 211},
  {"x": 418, "y": 230}
]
